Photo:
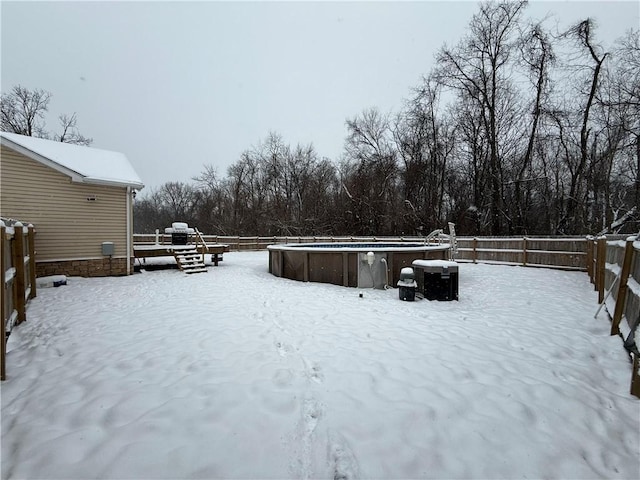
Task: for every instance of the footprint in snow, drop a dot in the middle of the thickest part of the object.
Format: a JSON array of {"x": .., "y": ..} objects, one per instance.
[
  {"x": 343, "y": 462},
  {"x": 316, "y": 374},
  {"x": 283, "y": 349}
]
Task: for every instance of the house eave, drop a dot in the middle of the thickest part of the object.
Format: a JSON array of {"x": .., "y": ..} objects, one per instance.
[
  {"x": 76, "y": 177},
  {"x": 111, "y": 183}
]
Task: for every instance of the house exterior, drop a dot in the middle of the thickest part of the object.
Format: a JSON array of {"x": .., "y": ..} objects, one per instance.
[{"x": 80, "y": 200}]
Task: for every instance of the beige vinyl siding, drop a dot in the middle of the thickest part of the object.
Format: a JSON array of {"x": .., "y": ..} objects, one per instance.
[{"x": 68, "y": 225}]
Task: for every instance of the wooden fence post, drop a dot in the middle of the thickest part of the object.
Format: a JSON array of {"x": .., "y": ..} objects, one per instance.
[
  {"x": 31, "y": 238},
  {"x": 524, "y": 252},
  {"x": 474, "y": 245},
  {"x": 18, "y": 262},
  {"x": 600, "y": 262},
  {"x": 3, "y": 307},
  {"x": 590, "y": 243},
  {"x": 305, "y": 268},
  {"x": 635, "y": 380},
  {"x": 345, "y": 269},
  {"x": 622, "y": 287}
]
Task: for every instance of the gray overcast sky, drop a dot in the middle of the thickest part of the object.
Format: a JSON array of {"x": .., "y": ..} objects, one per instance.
[{"x": 176, "y": 85}]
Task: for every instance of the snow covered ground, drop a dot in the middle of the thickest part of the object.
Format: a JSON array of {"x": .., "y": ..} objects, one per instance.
[{"x": 239, "y": 374}]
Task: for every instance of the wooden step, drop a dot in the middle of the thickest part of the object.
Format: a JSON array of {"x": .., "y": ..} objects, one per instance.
[
  {"x": 193, "y": 264},
  {"x": 201, "y": 269},
  {"x": 190, "y": 261}
]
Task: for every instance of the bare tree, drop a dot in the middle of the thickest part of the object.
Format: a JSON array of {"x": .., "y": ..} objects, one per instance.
[
  {"x": 213, "y": 207},
  {"x": 537, "y": 55},
  {"x": 583, "y": 32},
  {"x": 180, "y": 201},
  {"x": 370, "y": 174},
  {"x": 478, "y": 68},
  {"x": 425, "y": 143},
  {"x": 70, "y": 133},
  {"x": 618, "y": 112},
  {"x": 22, "y": 111}
]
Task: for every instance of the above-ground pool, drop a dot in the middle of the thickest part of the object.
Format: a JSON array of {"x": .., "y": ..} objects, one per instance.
[{"x": 350, "y": 264}]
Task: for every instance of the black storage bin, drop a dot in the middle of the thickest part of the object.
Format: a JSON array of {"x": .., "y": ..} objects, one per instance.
[{"x": 437, "y": 279}]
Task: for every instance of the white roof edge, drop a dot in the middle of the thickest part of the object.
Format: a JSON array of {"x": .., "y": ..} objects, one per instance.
[
  {"x": 75, "y": 176},
  {"x": 13, "y": 141},
  {"x": 111, "y": 183}
]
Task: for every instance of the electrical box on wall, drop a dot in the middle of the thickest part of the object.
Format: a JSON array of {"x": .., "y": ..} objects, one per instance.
[{"x": 108, "y": 248}]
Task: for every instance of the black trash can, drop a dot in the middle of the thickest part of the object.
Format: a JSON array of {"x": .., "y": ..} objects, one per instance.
[
  {"x": 437, "y": 279},
  {"x": 407, "y": 285}
]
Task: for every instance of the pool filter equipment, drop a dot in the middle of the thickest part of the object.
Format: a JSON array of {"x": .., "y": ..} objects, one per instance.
[{"x": 371, "y": 257}]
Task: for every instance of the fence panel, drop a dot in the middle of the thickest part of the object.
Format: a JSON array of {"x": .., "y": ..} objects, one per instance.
[
  {"x": 17, "y": 279},
  {"x": 614, "y": 259},
  {"x": 617, "y": 272},
  {"x": 565, "y": 253},
  {"x": 631, "y": 310}
]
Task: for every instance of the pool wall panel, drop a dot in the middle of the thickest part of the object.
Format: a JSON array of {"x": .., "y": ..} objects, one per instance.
[{"x": 339, "y": 267}]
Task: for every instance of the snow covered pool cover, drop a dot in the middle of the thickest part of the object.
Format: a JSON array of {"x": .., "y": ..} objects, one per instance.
[{"x": 360, "y": 246}]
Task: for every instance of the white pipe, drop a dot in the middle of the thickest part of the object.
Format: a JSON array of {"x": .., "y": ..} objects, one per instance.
[{"x": 386, "y": 274}]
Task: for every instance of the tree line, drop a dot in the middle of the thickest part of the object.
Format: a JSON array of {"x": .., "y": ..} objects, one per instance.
[{"x": 515, "y": 130}]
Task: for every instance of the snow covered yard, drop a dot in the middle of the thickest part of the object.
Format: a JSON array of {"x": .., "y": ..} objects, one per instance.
[{"x": 239, "y": 374}]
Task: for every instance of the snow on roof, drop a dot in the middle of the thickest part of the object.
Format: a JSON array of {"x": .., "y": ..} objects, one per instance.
[{"x": 82, "y": 164}]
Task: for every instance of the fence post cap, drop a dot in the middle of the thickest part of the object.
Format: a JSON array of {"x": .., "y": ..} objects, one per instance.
[
  {"x": 18, "y": 224},
  {"x": 2, "y": 223}
]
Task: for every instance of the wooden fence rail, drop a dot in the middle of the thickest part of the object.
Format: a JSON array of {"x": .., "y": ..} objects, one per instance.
[
  {"x": 562, "y": 253},
  {"x": 17, "y": 279},
  {"x": 614, "y": 270},
  {"x": 552, "y": 252}
]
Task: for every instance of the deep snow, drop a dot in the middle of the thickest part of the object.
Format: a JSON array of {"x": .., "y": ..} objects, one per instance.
[{"x": 239, "y": 374}]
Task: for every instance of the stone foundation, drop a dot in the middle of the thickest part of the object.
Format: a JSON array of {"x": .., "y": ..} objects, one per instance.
[{"x": 99, "y": 267}]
